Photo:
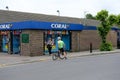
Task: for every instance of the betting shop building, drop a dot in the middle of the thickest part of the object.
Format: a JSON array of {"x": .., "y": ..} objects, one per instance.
[{"x": 27, "y": 33}]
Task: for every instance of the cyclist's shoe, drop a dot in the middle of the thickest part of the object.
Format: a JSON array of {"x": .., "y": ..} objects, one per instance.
[{"x": 65, "y": 58}]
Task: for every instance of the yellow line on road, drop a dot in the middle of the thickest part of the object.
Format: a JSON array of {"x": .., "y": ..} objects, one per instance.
[
  {"x": 2, "y": 65},
  {"x": 7, "y": 65}
]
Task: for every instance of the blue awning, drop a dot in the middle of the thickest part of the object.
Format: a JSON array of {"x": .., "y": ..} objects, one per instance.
[
  {"x": 89, "y": 28},
  {"x": 28, "y": 25},
  {"x": 95, "y": 28}
]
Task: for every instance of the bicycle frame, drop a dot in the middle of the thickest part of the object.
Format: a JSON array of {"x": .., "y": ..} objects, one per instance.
[{"x": 58, "y": 55}]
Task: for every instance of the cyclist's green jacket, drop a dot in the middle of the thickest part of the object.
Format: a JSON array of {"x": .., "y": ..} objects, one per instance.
[{"x": 60, "y": 44}]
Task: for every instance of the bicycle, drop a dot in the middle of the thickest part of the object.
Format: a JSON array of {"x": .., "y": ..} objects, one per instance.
[{"x": 57, "y": 55}]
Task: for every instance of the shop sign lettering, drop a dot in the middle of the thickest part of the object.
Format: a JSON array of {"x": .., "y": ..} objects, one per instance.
[
  {"x": 5, "y": 26},
  {"x": 59, "y": 26}
]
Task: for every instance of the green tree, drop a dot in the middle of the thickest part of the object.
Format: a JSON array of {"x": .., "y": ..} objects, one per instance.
[
  {"x": 118, "y": 20},
  {"x": 89, "y": 16},
  {"x": 107, "y": 21}
]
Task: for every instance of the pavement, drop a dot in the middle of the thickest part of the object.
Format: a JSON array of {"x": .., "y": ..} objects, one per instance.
[{"x": 14, "y": 59}]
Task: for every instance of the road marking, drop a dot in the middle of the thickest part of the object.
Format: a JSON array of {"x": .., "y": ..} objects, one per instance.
[
  {"x": 2, "y": 65},
  {"x": 20, "y": 63}
]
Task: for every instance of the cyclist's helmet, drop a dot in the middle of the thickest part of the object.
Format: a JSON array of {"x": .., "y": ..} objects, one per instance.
[{"x": 59, "y": 38}]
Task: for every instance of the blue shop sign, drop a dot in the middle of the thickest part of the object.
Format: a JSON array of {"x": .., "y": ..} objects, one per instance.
[
  {"x": 5, "y": 26},
  {"x": 59, "y": 26},
  {"x": 28, "y": 25}
]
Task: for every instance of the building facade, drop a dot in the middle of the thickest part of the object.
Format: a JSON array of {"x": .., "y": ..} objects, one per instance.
[{"x": 27, "y": 33}]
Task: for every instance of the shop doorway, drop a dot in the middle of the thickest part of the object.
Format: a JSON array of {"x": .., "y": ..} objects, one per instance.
[
  {"x": 118, "y": 39},
  {"x": 65, "y": 35},
  {"x": 0, "y": 42},
  {"x": 14, "y": 40},
  {"x": 4, "y": 41}
]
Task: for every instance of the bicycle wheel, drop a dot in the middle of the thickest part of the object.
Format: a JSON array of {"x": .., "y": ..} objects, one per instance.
[
  {"x": 61, "y": 56},
  {"x": 54, "y": 56}
]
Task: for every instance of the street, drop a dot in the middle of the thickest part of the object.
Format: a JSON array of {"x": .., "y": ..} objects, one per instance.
[{"x": 96, "y": 67}]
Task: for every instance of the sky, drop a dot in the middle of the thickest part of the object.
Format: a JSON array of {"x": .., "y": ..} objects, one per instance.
[{"x": 69, "y": 8}]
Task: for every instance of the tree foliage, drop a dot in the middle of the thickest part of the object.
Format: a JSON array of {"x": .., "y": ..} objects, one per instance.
[
  {"x": 106, "y": 22},
  {"x": 112, "y": 19},
  {"x": 118, "y": 20},
  {"x": 102, "y": 15},
  {"x": 89, "y": 16}
]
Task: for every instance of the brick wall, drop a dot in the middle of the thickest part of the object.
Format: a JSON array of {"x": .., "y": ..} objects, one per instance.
[
  {"x": 81, "y": 39},
  {"x": 87, "y": 37},
  {"x": 35, "y": 45},
  {"x": 112, "y": 37},
  {"x": 75, "y": 42}
]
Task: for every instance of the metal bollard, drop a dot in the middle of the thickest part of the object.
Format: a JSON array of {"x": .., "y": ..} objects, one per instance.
[{"x": 90, "y": 47}]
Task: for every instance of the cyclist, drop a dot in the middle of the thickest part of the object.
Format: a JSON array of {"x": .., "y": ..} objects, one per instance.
[{"x": 61, "y": 47}]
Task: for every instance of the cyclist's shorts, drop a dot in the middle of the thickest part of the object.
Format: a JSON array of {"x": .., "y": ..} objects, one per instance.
[{"x": 61, "y": 49}]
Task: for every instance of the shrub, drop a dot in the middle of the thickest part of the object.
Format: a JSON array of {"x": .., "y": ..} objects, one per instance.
[{"x": 106, "y": 47}]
